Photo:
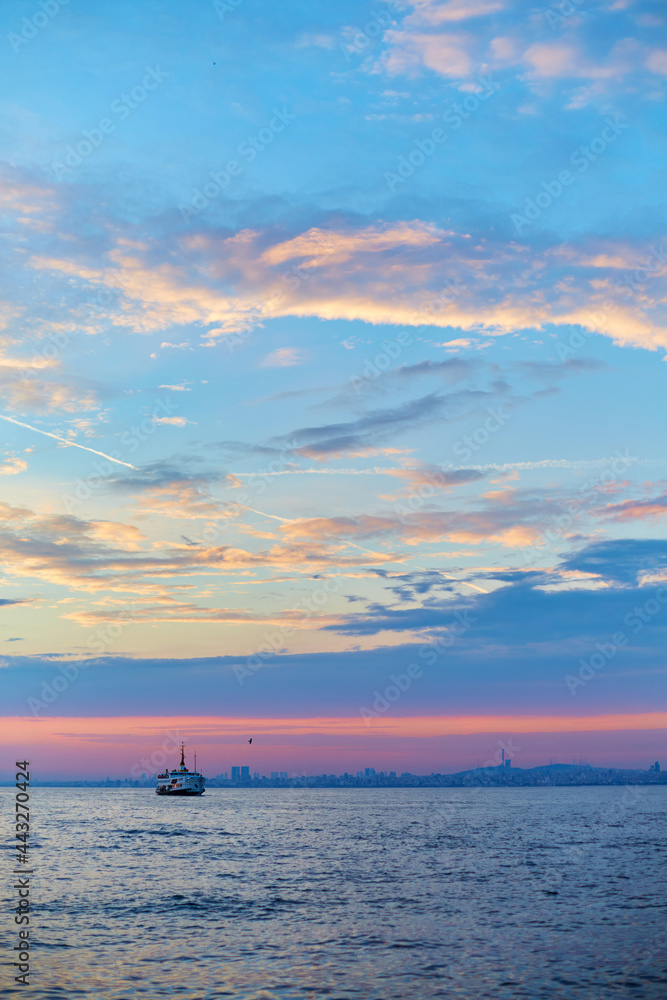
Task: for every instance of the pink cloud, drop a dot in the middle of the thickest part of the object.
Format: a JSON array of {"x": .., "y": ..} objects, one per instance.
[
  {"x": 450, "y": 54},
  {"x": 387, "y": 273}
]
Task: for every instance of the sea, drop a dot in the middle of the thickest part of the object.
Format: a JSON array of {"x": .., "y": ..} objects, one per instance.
[{"x": 374, "y": 893}]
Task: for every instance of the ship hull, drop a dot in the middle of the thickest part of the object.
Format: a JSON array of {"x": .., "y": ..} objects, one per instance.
[{"x": 179, "y": 791}]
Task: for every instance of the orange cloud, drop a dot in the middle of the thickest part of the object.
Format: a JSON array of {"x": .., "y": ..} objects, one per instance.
[
  {"x": 11, "y": 465},
  {"x": 95, "y": 556},
  {"x": 339, "y": 527},
  {"x": 323, "y": 246},
  {"x": 377, "y": 274},
  {"x": 467, "y": 526}
]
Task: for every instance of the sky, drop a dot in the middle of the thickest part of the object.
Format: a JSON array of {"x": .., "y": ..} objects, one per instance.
[{"x": 332, "y": 345}]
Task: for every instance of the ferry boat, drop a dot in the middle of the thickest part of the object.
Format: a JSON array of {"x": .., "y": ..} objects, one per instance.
[{"x": 181, "y": 781}]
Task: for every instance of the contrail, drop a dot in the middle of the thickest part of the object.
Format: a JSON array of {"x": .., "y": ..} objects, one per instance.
[
  {"x": 70, "y": 444},
  {"x": 376, "y": 470},
  {"x": 545, "y": 463},
  {"x": 554, "y": 463}
]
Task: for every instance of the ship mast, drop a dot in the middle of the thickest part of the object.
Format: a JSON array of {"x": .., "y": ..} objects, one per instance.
[
  {"x": 195, "y": 762},
  {"x": 182, "y": 754}
]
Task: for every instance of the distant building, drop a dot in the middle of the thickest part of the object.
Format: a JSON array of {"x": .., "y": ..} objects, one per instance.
[
  {"x": 236, "y": 774},
  {"x": 508, "y": 762},
  {"x": 655, "y": 767},
  {"x": 245, "y": 774},
  {"x": 369, "y": 772}
]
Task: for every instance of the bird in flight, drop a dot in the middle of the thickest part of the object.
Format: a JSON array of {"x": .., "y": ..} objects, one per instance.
[{"x": 250, "y": 740}]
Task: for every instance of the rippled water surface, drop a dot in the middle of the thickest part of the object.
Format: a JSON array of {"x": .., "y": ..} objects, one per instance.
[{"x": 363, "y": 893}]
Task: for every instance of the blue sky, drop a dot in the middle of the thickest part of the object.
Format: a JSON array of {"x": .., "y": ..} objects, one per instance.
[{"x": 360, "y": 305}]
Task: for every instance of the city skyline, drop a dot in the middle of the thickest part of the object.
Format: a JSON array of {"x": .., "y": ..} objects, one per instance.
[{"x": 490, "y": 772}]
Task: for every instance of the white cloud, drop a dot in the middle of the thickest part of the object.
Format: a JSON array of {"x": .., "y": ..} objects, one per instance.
[
  {"x": 430, "y": 12},
  {"x": 11, "y": 465},
  {"x": 174, "y": 421},
  {"x": 451, "y": 55},
  {"x": 283, "y": 357},
  {"x": 657, "y": 61}
]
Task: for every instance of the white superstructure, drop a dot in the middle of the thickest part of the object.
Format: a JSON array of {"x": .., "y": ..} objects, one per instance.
[{"x": 181, "y": 781}]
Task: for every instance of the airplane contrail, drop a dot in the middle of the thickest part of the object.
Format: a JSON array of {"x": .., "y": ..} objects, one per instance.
[{"x": 70, "y": 444}]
